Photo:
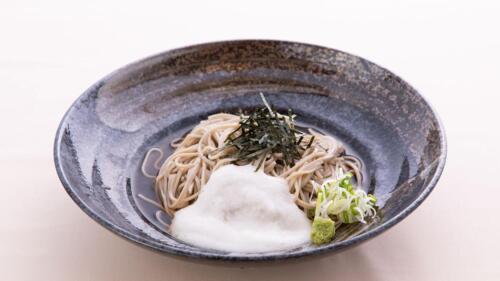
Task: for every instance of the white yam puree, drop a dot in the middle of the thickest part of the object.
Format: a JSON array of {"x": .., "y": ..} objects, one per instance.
[{"x": 240, "y": 210}]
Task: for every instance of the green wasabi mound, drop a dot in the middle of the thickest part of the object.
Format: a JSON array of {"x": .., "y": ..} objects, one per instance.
[{"x": 323, "y": 230}]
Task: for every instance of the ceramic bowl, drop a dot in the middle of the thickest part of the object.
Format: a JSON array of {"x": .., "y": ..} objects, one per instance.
[{"x": 102, "y": 139}]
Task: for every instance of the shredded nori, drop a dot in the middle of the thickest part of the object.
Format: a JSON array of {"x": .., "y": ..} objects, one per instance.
[{"x": 264, "y": 131}]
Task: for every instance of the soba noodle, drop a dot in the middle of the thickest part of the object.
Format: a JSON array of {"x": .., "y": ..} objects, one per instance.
[{"x": 184, "y": 173}]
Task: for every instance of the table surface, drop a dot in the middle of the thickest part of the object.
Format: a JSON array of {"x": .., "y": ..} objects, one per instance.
[{"x": 51, "y": 51}]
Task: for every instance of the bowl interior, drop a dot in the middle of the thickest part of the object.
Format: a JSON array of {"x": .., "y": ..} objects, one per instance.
[{"x": 104, "y": 136}]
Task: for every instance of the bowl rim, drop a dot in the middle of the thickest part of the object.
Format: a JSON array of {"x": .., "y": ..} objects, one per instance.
[{"x": 201, "y": 254}]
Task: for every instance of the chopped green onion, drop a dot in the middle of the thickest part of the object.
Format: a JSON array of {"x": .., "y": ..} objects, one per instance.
[{"x": 338, "y": 200}]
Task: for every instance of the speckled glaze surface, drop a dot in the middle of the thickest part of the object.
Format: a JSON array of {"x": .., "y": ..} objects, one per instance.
[{"x": 103, "y": 137}]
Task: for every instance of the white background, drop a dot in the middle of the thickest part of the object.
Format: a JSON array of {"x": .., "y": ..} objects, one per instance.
[{"x": 51, "y": 51}]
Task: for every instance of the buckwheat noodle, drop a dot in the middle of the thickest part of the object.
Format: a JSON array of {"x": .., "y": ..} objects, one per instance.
[{"x": 184, "y": 173}]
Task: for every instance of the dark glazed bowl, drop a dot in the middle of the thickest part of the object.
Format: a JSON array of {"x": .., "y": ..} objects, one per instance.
[{"x": 103, "y": 137}]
